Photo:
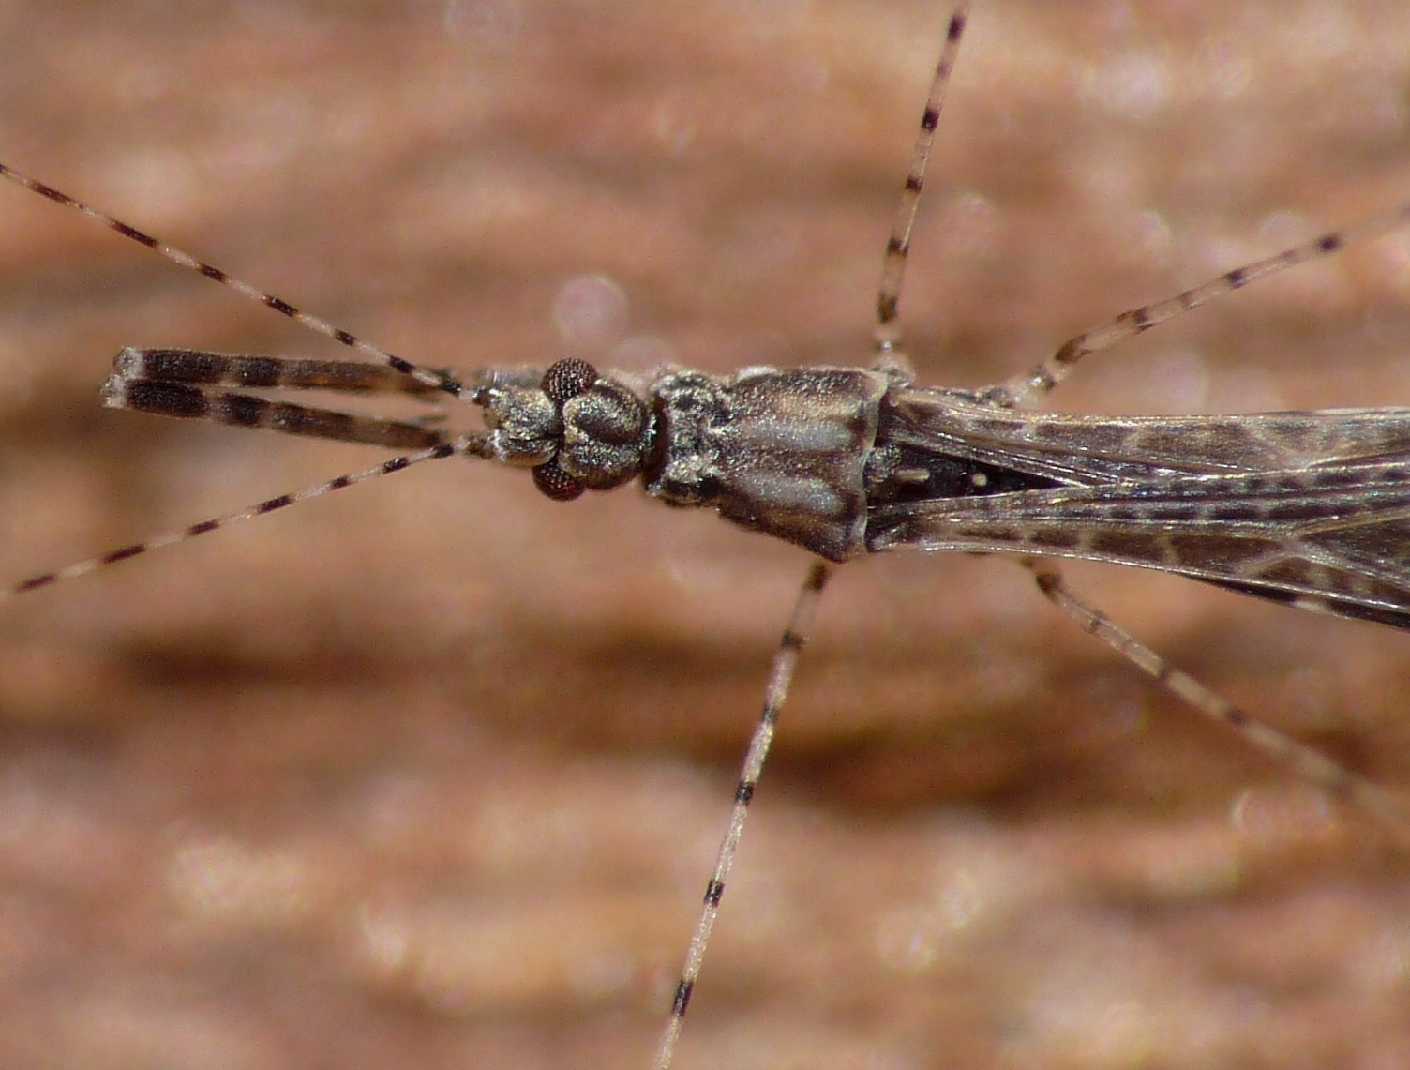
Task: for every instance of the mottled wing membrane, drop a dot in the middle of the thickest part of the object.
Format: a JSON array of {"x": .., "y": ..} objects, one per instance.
[
  {"x": 1089, "y": 450},
  {"x": 1311, "y": 509}
]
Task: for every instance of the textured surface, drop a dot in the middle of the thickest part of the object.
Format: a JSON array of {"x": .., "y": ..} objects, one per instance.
[{"x": 433, "y": 771}]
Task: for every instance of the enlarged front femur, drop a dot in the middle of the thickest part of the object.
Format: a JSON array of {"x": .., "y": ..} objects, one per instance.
[{"x": 577, "y": 430}]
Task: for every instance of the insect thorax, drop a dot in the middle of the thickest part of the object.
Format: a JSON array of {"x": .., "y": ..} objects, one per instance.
[{"x": 780, "y": 452}]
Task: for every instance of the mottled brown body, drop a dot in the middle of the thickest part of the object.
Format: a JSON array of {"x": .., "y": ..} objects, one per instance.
[{"x": 1308, "y": 508}]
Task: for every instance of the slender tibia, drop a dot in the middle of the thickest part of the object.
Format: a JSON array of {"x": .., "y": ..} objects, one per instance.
[
  {"x": 1027, "y": 390},
  {"x": 800, "y": 624},
  {"x": 473, "y": 445},
  {"x": 1307, "y": 763},
  {"x": 898, "y": 244}
]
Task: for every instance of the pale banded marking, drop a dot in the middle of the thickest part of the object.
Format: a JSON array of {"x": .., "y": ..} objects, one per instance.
[
  {"x": 807, "y": 494},
  {"x": 818, "y": 436},
  {"x": 1313, "y": 604}
]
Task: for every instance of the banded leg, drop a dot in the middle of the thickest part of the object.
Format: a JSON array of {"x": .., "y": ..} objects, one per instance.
[
  {"x": 887, "y": 333},
  {"x": 1029, "y": 389},
  {"x": 471, "y": 445},
  {"x": 1310, "y": 764},
  {"x": 199, "y": 367},
  {"x": 428, "y": 377},
  {"x": 164, "y": 383},
  {"x": 800, "y": 624},
  {"x": 247, "y": 411}
]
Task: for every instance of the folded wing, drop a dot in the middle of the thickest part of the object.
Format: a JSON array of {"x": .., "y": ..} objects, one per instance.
[{"x": 1311, "y": 509}]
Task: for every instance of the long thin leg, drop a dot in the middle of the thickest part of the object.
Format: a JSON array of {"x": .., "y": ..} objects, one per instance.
[
  {"x": 1029, "y": 389},
  {"x": 800, "y": 624},
  {"x": 898, "y": 245},
  {"x": 472, "y": 445},
  {"x": 1303, "y": 760},
  {"x": 427, "y": 376},
  {"x": 200, "y": 367},
  {"x": 247, "y": 411},
  {"x": 888, "y": 354}
]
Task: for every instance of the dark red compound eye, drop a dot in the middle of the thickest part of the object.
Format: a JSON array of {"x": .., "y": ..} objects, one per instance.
[
  {"x": 555, "y": 483},
  {"x": 568, "y": 378}
]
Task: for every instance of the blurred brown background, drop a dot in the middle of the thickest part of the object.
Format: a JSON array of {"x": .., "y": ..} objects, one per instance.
[{"x": 433, "y": 771}]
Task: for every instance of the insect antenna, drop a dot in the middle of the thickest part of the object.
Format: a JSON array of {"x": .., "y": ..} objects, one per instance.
[
  {"x": 438, "y": 380},
  {"x": 468, "y": 445},
  {"x": 1029, "y": 389}
]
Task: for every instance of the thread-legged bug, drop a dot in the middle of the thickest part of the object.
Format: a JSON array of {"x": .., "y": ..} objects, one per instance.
[{"x": 1114, "y": 989}]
